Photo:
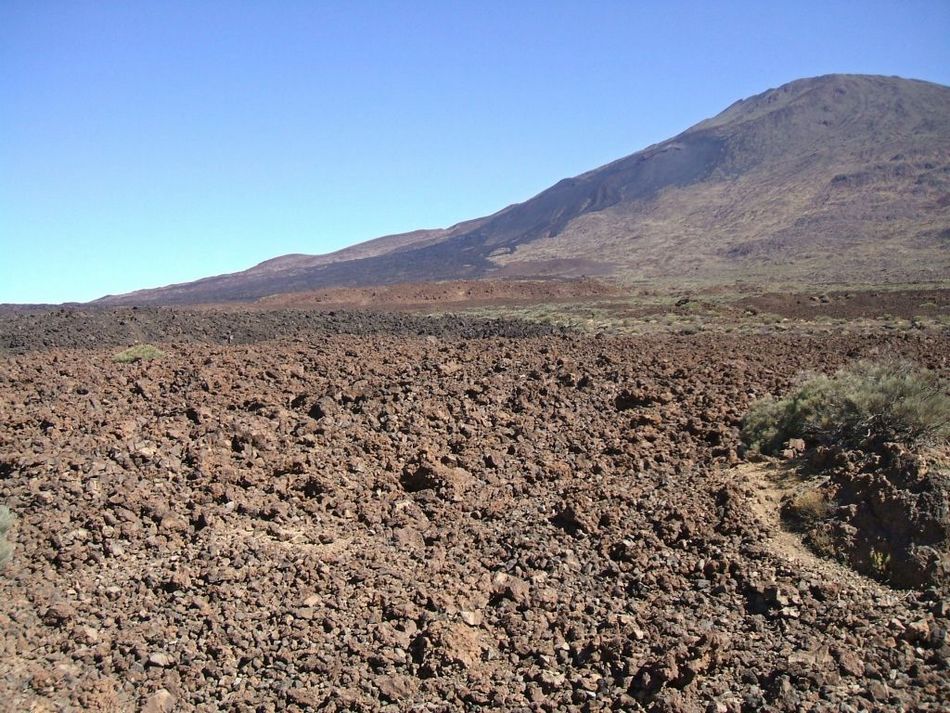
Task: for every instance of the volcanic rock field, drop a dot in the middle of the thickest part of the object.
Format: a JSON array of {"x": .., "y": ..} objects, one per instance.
[{"x": 357, "y": 512}]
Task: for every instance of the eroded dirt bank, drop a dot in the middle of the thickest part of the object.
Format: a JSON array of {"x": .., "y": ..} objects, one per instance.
[{"x": 392, "y": 521}]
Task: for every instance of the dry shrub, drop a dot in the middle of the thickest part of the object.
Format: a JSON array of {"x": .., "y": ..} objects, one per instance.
[
  {"x": 807, "y": 508},
  {"x": 861, "y": 407},
  {"x": 139, "y": 352}
]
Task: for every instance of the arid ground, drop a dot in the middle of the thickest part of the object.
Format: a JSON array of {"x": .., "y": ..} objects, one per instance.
[{"x": 356, "y": 511}]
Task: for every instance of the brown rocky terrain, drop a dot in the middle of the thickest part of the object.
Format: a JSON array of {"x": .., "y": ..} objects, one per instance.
[
  {"x": 851, "y": 304},
  {"x": 85, "y": 327},
  {"x": 438, "y": 295},
  {"x": 349, "y": 511}
]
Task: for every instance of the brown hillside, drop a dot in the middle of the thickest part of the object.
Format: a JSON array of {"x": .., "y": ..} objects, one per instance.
[{"x": 841, "y": 178}]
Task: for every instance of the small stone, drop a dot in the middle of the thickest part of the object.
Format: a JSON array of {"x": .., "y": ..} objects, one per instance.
[
  {"x": 878, "y": 691},
  {"x": 512, "y": 587},
  {"x": 88, "y": 635},
  {"x": 160, "y": 659},
  {"x": 450, "y": 644},
  {"x": 159, "y": 702},
  {"x": 472, "y": 618},
  {"x": 303, "y": 697},
  {"x": 408, "y": 538},
  {"x": 916, "y": 631},
  {"x": 58, "y": 614},
  {"x": 322, "y": 408},
  {"x": 173, "y": 523},
  {"x": 850, "y": 663},
  {"x": 395, "y": 688}
]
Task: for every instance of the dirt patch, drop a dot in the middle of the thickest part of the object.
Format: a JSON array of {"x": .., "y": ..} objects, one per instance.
[{"x": 775, "y": 484}]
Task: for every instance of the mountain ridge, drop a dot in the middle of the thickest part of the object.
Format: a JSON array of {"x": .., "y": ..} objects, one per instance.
[{"x": 840, "y": 177}]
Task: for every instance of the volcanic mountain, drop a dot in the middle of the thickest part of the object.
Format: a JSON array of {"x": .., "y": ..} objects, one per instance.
[{"x": 834, "y": 179}]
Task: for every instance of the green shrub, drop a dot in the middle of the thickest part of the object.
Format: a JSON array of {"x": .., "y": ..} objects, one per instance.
[
  {"x": 138, "y": 353},
  {"x": 863, "y": 406},
  {"x": 880, "y": 563},
  {"x": 6, "y": 549}
]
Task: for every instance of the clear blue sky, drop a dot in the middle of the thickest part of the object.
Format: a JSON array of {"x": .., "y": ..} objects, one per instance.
[{"x": 144, "y": 143}]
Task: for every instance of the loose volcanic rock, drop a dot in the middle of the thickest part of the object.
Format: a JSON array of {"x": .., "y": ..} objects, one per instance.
[
  {"x": 159, "y": 702},
  {"x": 354, "y": 512}
]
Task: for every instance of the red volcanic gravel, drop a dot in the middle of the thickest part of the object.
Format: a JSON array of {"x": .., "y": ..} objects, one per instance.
[{"x": 380, "y": 521}]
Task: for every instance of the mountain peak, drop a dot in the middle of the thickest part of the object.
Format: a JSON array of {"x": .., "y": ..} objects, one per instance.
[
  {"x": 831, "y": 93},
  {"x": 835, "y": 178}
]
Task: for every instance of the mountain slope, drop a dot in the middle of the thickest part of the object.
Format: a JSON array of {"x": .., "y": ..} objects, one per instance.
[{"x": 840, "y": 178}]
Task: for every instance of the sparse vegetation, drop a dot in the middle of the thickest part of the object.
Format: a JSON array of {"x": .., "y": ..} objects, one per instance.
[
  {"x": 6, "y": 549},
  {"x": 821, "y": 542},
  {"x": 807, "y": 508},
  {"x": 139, "y": 352},
  {"x": 880, "y": 563},
  {"x": 860, "y": 407}
]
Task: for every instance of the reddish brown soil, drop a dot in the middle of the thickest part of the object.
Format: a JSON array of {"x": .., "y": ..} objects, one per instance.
[
  {"x": 623, "y": 302},
  {"x": 467, "y": 292},
  {"x": 382, "y": 521},
  {"x": 904, "y": 304}
]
